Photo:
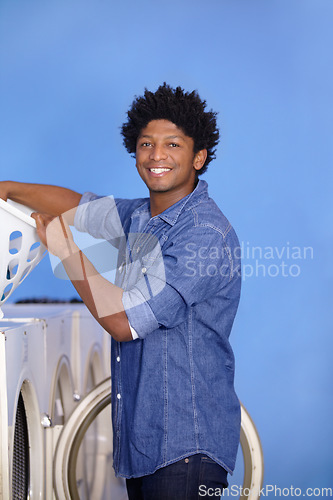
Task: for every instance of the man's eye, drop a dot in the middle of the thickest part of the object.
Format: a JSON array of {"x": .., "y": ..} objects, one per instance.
[
  {"x": 174, "y": 145},
  {"x": 145, "y": 144}
]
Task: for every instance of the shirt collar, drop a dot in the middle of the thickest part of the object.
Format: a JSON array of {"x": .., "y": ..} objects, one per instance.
[{"x": 171, "y": 214}]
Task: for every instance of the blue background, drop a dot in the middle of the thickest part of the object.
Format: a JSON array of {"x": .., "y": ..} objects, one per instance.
[{"x": 69, "y": 72}]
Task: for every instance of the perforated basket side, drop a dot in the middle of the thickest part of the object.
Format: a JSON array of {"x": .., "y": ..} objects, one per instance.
[{"x": 20, "y": 252}]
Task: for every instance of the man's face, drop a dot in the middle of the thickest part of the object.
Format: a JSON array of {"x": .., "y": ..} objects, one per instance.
[{"x": 165, "y": 159}]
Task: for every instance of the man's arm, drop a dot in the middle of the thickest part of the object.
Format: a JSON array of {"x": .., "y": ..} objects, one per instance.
[
  {"x": 53, "y": 200},
  {"x": 102, "y": 298}
]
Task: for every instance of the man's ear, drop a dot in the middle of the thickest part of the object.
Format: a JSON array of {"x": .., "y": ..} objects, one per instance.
[{"x": 199, "y": 159}]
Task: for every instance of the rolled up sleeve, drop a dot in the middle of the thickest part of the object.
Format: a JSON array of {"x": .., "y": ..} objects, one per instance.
[{"x": 140, "y": 316}]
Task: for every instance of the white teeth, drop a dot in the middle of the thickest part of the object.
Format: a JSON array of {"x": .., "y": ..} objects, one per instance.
[{"x": 159, "y": 170}]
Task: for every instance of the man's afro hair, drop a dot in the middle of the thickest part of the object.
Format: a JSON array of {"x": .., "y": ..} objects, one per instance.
[{"x": 186, "y": 110}]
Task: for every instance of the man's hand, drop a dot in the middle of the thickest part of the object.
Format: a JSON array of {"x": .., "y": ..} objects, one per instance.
[{"x": 55, "y": 234}]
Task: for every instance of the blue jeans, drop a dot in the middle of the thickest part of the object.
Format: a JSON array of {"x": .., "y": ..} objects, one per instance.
[{"x": 192, "y": 478}]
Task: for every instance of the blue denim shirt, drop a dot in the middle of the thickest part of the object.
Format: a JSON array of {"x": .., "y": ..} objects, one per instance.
[{"x": 173, "y": 387}]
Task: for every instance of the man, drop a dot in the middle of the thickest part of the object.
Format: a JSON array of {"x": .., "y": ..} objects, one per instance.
[{"x": 176, "y": 417}]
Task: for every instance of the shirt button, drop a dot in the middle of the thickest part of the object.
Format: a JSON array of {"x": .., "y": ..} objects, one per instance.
[
  {"x": 118, "y": 359},
  {"x": 186, "y": 460},
  {"x": 144, "y": 270},
  {"x": 118, "y": 396}
]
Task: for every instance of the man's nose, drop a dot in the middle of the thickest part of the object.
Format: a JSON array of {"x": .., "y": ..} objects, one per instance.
[{"x": 158, "y": 153}]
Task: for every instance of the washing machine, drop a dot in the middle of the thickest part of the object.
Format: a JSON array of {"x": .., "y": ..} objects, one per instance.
[
  {"x": 22, "y": 402},
  {"x": 51, "y": 357}
]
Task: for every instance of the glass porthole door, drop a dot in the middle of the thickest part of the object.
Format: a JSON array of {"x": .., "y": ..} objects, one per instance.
[{"x": 95, "y": 404}]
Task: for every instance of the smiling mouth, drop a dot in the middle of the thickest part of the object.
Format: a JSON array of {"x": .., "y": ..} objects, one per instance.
[{"x": 159, "y": 170}]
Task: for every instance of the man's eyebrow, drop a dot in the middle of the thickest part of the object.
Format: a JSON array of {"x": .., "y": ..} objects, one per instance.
[{"x": 168, "y": 137}]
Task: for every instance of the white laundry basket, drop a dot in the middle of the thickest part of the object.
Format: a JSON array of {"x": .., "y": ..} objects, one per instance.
[{"x": 20, "y": 247}]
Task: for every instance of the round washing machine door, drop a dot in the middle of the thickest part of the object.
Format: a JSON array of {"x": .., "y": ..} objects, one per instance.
[
  {"x": 96, "y": 451},
  {"x": 66, "y": 483}
]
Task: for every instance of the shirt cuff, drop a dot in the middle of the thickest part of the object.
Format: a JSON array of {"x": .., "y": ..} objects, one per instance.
[
  {"x": 141, "y": 316},
  {"x": 133, "y": 332}
]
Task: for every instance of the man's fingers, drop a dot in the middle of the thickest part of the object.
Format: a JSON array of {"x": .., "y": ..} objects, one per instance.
[
  {"x": 42, "y": 221},
  {"x": 54, "y": 233},
  {"x": 39, "y": 220}
]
